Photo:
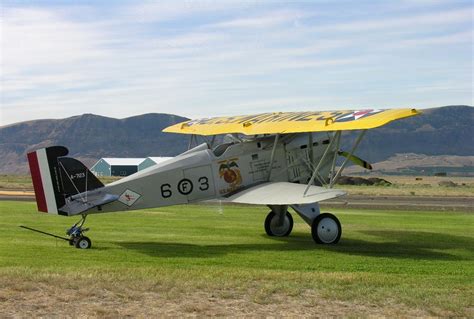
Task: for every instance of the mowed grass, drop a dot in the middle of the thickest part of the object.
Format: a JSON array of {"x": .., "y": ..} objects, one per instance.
[{"x": 387, "y": 262}]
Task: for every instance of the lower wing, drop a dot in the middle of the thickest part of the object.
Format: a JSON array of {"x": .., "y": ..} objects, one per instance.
[{"x": 283, "y": 193}]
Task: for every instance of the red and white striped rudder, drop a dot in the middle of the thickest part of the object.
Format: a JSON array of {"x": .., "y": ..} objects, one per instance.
[{"x": 45, "y": 174}]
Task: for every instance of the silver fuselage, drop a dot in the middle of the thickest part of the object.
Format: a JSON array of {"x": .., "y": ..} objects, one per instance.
[{"x": 203, "y": 173}]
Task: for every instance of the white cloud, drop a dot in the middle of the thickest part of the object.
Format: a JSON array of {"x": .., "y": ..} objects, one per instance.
[
  {"x": 265, "y": 20},
  {"x": 159, "y": 11},
  {"x": 36, "y": 37},
  {"x": 453, "y": 38},
  {"x": 208, "y": 58},
  {"x": 416, "y": 21}
]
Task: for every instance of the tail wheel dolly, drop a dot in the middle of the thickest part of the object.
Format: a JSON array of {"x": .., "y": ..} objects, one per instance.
[{"x": 76, "y": 234}]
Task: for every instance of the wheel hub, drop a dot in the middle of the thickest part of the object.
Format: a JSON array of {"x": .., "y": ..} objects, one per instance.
[
  {"x": 83, "y": 244},
  {"x": 278, "y": 228},
  {"x": 327, "y": 230}
]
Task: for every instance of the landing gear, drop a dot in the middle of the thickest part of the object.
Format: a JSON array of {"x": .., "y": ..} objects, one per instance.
[
  {"x": 326, "y": 229},
  {"x": 82, "y": 242},
  {"x": 279, "y": 222},
  {"x": 76, "y": 235}
]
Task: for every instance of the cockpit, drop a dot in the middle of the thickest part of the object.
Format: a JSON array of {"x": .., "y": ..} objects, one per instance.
[{"x": 220, "y": 149}]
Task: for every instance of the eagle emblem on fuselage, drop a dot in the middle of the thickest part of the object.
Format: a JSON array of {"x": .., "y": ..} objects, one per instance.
[{"x": 229, "y": 171}]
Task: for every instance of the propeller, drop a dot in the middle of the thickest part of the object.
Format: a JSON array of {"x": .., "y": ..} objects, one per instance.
[{"x": 355, "y": 159}]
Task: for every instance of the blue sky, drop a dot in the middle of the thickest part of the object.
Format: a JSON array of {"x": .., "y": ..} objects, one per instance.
[{"x": 210, "y": 58}]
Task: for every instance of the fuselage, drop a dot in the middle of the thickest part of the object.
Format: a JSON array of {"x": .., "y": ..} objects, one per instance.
[{"x": 203, "y": 173}]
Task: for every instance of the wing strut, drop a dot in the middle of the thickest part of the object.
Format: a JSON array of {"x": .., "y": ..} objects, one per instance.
[
  {"x": 315, "y": 172},
  {"x": 311, "y": 148},
  {"x": 272, "y": 156},
  {"x": 213, "y": 140},
  {"x": 333, "y": 166},
  {"x": 359, "y": 138},
  {"x": 190, "y": 144}
]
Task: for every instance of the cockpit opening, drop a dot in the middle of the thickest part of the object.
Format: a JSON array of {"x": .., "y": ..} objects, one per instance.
[{"x": 220, "y": 149}]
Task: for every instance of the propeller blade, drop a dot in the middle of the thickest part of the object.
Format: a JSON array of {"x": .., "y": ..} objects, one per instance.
[{"x": 355, "y": 159}]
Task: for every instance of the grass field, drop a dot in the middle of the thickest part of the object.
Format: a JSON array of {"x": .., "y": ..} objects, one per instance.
[{"x": 213, "y": 260}]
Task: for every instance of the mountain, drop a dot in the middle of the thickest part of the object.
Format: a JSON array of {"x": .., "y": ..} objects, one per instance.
[
  {"x": 439, "y": 131},
  {"x": 90, "y": 137},
  {"x": 445, "y": 130}
]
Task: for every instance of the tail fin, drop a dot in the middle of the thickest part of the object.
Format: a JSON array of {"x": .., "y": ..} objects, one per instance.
[{"x": 56, "y": 177}]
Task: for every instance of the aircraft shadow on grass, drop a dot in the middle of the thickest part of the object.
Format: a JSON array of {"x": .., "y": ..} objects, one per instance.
[{"x": 394, "y": 244}]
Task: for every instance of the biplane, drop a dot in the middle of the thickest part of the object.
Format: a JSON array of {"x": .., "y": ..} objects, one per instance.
[{"x": 281, "y": 160}]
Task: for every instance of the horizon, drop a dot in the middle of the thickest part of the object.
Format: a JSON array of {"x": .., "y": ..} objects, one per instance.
[
  {"x": 205, "y": 58},
  {"x": 171, "y": 114}
]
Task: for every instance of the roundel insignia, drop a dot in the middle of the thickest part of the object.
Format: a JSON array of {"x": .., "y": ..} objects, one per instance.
[
  {"x": 357, "y": 115},
  {"x": 185, "y": 186}
]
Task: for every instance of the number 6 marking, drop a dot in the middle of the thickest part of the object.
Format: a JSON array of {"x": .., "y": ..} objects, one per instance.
[{"x": 166, "y": 192}]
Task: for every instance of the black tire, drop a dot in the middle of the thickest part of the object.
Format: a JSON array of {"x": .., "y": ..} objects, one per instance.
[
  {"x": 326, "y": 229},
  {"x": 274, "y": 232},
  {"x": 83, "y": 243}
]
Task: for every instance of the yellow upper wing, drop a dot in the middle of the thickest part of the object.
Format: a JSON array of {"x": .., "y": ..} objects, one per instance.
[{"x": 291, "y": 122}]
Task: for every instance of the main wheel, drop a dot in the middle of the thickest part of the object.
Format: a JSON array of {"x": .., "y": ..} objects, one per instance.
[
  {"x": 326, "y": 229},
  {"x": 273, "y": 229},
  {"x": 83, "y": 243}
]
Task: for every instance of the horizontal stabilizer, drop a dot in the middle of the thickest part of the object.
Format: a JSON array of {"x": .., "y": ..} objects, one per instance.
[
  {"x": 81, "y": 203},
  {"x": 283, "y": 193}
]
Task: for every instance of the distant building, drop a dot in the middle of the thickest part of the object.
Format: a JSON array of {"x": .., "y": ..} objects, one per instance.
[
  {"x": 116, "y": 166},
  {"x": 150, "y": 161}
]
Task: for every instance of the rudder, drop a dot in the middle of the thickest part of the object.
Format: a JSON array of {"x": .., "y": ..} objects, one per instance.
[{"x": 56, "y": 177}]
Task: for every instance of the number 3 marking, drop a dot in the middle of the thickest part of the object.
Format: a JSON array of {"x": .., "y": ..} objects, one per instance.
[{"x": 204, "y": 183}]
